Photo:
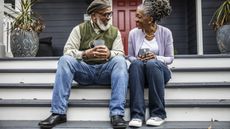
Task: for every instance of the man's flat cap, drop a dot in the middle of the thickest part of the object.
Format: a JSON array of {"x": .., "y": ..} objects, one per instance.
[{"x": 98, "y": 5}]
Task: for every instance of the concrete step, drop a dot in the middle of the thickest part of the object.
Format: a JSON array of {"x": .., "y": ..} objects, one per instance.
[
  {"x": 89, "y": 110},
  {"x": 220, "y": 74},
  {"x": 106, "y": 125},
  {"x": 173, "y": 91},
  {"x": 180, "y": 61}
]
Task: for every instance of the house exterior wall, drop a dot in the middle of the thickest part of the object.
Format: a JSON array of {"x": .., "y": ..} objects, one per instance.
[
  {"x": 177, "y": 23},
  {"x": 60, "y": 16},
  {"x": 209, "y": 36},
  {"x": 191, "y": 27}
]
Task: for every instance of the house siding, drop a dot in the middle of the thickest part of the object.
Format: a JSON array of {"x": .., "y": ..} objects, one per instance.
[
  {"x": 191, "y": 22},
  {"x": 177, "y": 23},
  {"x": 60, "y": 16}
]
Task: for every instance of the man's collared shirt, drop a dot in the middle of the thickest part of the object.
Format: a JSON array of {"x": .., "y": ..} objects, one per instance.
[{"x": 73, "y": 43}]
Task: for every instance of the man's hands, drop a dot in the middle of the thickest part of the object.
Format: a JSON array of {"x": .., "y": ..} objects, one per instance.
[
  {"x": 100, "y": 52},
  {"x": 147, "y": 56}
]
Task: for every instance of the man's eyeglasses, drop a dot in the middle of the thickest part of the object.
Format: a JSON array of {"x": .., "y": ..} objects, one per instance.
[{"x": 107, "y": 15}]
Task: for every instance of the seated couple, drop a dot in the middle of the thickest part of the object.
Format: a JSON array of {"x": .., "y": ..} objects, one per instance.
[{"x": 94, "y": 54}]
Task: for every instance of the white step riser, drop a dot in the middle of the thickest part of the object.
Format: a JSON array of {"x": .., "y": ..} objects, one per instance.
[
  {"x": 102, "y": 114},
  {"x": 197, "y": 93},
  {"x": 178, "y": 63},
  {"x": 223, "y": 76},
  {"x": 28, "y": 64},
  {"x": 202, "y": 62},
  {"x": 217, "y": 76}
]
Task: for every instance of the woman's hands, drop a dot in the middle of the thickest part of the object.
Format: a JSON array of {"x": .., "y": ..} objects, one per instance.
[{"x": 147, "y": 56}]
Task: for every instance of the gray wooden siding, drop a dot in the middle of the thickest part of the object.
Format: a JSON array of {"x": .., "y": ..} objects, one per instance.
[
  {"x": 191, "y": 22},
  {"x": 60, "y": 16},
  {"x": 177, "y": 23}
]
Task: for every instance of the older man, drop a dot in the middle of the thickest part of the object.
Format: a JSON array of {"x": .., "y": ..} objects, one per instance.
[{"x": 93, "y": 54}]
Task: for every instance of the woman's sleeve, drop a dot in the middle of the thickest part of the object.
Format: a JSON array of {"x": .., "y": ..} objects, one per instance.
[
  {"x": 169, "y": 50},
  {"x": 131, "y": 50}
]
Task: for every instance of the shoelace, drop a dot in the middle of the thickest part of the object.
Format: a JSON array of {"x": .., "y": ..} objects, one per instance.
[
  {"x": 156, "y": 118},
  {"x": 138, "y": 120}
]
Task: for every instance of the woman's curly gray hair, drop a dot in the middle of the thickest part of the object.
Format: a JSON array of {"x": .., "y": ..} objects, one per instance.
[{"x": 157, "y": 9}]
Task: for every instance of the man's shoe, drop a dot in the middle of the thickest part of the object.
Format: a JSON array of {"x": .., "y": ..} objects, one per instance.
[
  {"x": 118, "y": 122},
  {"x": 52, "y": 120}
]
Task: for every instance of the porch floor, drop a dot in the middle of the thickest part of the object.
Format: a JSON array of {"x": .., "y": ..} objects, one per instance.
[{"x": 106, "y": 125}]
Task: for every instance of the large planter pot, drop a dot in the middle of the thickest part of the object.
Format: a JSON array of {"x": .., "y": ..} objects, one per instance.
[
  {"x": 223, "y": 39},
  {"x": 24, "y": 43}
]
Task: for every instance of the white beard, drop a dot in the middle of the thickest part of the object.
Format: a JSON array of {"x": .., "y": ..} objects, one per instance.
[{"x": 102, "y": 26}]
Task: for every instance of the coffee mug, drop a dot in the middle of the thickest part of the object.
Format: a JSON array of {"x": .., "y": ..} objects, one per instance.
[
  {"x": 98, "y": 42},
  {"x": 143, "y": 51}
]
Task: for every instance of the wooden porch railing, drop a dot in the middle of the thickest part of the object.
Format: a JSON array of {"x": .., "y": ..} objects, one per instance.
[{"x": 9, "y": 15}]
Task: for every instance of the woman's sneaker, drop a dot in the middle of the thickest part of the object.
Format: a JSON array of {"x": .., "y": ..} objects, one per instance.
[
  {"x": 154, "y": 121},
  {"x": 135, "y": 123}
]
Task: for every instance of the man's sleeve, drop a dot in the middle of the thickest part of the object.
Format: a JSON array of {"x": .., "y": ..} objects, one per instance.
[
  {"x": 73, "y": 44},
  {"x": 118, "y": 48}
]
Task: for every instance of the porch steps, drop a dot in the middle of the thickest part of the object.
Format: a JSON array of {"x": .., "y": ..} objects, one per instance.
[
  {"x": 97, "y": 110},
  {"x": 197, "y": 93},
  {"x": 180, "y": 61},
  {"x": 212, "y": 90},
  {"x": 199, "y": 74}
]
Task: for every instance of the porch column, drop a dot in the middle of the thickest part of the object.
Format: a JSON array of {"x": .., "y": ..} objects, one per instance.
[
  {"x": 199, "y": 27},
  {"x": 2, "y": 46}
]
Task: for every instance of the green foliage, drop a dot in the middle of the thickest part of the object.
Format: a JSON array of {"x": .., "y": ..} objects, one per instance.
[
  {"x": 28, "y": 20},
  {"x": 221, "y": 16}
]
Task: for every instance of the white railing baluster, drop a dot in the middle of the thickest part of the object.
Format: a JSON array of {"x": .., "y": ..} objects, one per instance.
[
  {"x": 2, "y": 46},
  {"x": 6, "y": 32},
  {"x": 9, "y": 15}
]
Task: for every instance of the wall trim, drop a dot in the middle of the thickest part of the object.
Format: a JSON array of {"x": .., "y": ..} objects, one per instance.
[{"x": 199, "y": 27}]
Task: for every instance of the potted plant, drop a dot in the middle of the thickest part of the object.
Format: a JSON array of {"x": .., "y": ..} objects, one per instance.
[
  {"x": 25, "y": 30},
  {"x": 220, "y": 22}
]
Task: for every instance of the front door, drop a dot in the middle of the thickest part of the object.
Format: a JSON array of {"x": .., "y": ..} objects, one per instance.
[{"x": 124, "y": 13}]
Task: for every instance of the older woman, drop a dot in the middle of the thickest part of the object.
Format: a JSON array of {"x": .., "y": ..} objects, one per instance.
[{"x": 150, "y": 51}]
